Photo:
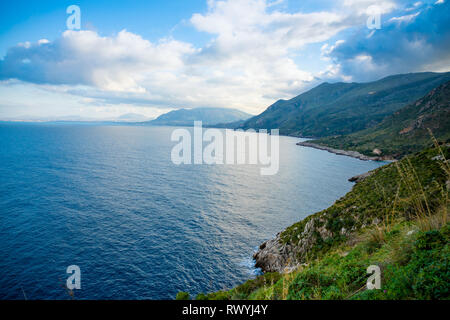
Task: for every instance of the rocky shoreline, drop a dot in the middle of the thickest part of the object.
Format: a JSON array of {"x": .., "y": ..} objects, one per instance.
[
  {"x": 353, "y": 154},
  {"x": 275, "y": 255}
]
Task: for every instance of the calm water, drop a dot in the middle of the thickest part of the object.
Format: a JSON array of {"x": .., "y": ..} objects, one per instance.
[{"x": 108, "y": 199}]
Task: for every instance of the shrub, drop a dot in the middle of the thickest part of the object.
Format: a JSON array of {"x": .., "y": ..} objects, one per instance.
[{"x": 182, "y": 296}]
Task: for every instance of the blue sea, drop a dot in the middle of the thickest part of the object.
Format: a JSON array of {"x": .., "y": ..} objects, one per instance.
[{"x": 108, "y": 199}]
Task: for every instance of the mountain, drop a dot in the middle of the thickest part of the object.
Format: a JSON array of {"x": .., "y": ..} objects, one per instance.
[
  {"x": 128, "y": 117},
  {"x": 132, "y": 117},
  {"x": 209, "y": 116},
  {"x": 344, "y": 108},
  {"x": 406, "y": 131}
]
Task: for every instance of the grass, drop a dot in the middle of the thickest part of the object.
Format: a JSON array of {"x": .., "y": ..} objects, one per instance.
[{"x": 415, "y": 265}]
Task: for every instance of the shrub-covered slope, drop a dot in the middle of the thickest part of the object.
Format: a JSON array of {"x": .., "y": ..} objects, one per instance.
[
  {"x": 343, "y": 108},
  {"x": 209, "y": 116},
  {"x": 404, "y": 132}
]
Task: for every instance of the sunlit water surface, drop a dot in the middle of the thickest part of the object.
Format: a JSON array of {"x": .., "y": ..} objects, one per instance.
[{"x": 109, "y": 199}]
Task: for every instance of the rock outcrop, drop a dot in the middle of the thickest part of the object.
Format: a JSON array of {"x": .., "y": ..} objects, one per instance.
[
  {"x": 361, "y": 177},
  {"x": 273, "y": 256}
]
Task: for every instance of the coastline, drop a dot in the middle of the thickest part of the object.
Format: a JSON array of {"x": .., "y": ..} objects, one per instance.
[{"x": 353, "y": 154}]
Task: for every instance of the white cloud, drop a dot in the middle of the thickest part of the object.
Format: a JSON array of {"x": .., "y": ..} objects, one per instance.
[
  {"x": 251, "y": 60},
  {"x": 404, "y": 19},
  {"x": 247, "y": 65},
  {"x": 364, "y": 7}
]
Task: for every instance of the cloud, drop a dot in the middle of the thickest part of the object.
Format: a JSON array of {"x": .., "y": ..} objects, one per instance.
[
  {"x": 248, "y": 26},
  {"x": 247, "y": 64},
  {"x": 83, "y": 57},
  {"x": 364, "y": 7},
  {"x": 412, "y": 42},
  {"x": 253, "y": 58}
]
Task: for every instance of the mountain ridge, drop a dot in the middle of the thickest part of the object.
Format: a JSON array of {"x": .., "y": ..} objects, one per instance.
[
  {"x": 209, "y": 116},
  {"x": 343, "y": 108},
  {"x": 404, "y": 132}
]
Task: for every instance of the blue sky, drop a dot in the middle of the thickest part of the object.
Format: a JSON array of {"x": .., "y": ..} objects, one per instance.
[
  {"x": 149, "y": 57},
  {"x": 33, "y": 20}
]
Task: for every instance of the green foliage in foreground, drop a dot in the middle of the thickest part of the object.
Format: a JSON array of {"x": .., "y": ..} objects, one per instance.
[
  {"x": 414, "y": 266},
  {"x": 182, "y": 296},
  {"x": 410, "y": 242}
]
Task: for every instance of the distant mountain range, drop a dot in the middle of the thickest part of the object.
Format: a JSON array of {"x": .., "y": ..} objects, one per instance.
[
  {"x": 125, "y": 118},
  {"x": 132, "y": 117},
  {"x": 208, "y": 116},
  {"x": 344, "y": 108},
  {"x": 405, "y": 131}
]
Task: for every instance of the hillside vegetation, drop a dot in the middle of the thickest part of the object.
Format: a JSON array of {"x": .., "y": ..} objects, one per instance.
[
  {"x": 404, "y": 132},
  {"x": 209, "y": 116},
  {"x": 396, "y": 218},
  {"x": 344, "y": 108}
]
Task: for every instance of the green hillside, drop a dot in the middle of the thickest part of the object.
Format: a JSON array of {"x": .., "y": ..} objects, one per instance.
[
  {"x": 209, "y": 116},
  {"x": 405, "y": 131},
  {"x": 344, "y": 108},
  {"x": 396, "y": 218}
]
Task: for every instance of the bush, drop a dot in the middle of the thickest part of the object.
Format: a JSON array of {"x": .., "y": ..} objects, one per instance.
[
  {"x": 430, "y": 264},
  {"x": 309, "y": 285},
  {"x": 201, "y": 296},
  {"x": 182, "y": 296},
  {"x": 267, "y": 279},
  {"x": 425, "y": 276}
]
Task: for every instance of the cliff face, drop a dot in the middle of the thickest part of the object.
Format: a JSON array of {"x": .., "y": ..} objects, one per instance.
[
  {"x": 277, "y": 255},
  {"x": 385, "y": 193},
  {"x": 274, "y": 256}
]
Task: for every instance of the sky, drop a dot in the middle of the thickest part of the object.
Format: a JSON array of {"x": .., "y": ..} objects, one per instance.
[{"x": 150, "y": 57}]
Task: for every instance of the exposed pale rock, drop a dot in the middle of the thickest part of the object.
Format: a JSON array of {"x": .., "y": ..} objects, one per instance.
[
  {"x": 439, "y": 157},
  {"x": 377, "y": 152}
]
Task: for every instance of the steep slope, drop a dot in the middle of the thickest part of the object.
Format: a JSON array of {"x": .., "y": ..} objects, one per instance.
[
  {"x": 343, "y": 108},
  {"x": 404, "y": 132},
  {"x": 132, "y": 117},
  {"x": 209, "y": 116}
]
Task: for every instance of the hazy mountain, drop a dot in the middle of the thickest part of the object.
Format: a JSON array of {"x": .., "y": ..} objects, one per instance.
[
  {"x": 405, "y": 131},
  {"x": 132, "y": 117},
  {"x": 128, "y": 117},
  {"x": 343, "y": 108},
  {"x": 209, "y": 116}
]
